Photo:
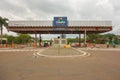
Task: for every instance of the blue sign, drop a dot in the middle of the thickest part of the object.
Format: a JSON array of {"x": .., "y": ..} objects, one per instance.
[{"x": 60, "y": 22}]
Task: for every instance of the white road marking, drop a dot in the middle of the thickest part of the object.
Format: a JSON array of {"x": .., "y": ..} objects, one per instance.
[
  {"x": 18, "y": 50},
  {"x": 101, "y": 49},
  {"x": 36, "y": 54},
  {"x": 49, "y": 56},
  {"x": 84, "y": 53}
]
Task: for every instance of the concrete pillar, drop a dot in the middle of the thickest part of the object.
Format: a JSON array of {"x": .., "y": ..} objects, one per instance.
[
  {"x": 79, "y": 39},
  {"x": 35, "y": 43},
  {"x": 35, "y": 38},
  {"x": 85, "y": 44},
  {"x": 40, "y": 40}
]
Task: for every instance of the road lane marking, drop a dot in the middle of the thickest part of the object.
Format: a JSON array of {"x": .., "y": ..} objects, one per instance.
[{"x": 49, "y": 56}]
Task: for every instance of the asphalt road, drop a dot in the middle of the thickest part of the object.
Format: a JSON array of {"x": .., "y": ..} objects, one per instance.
[{"x": 100, "y": 65}]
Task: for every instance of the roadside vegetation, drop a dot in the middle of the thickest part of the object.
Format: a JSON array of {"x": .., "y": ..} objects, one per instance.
[
  {"x": 98, "y": 39},
  {"x": 20, "y": 39},
  {"x": 91, "y": 38}
]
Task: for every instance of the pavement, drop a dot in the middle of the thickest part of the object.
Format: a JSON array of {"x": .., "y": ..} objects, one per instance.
[{"x": 22, "y": 65}]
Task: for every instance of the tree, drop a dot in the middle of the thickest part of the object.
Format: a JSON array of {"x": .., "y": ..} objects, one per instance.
[
  {"x": 110, "y": 37},
  {"x": 23, "y": 38},
  {"x": 92, "y": 37},
  {"x": 101, "y": 39},
  {"x": 3, "y": 22},
  {"x": 72, "y": 40},
  {"x": 20, "y": 39},
  {"x": 10, "y": 38}
]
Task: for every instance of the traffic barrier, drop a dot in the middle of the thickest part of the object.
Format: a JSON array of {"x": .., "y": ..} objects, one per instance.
[
  {"x": 12, "y": 46},
  {"x": 103, "y": 45},
  {"x": 47, "y": 46},
  {"x": 91, "y": 45},
  {"x": 67, "y": 46},
  {"x": 1, "y": 46},
  {"x": 84, "y": 45},
  {"x": 5, "y": 45},
  {"x": 35, "y": 45}
]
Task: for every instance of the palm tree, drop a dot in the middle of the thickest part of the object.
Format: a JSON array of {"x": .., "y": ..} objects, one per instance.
[{"x": 3, "y": 22}]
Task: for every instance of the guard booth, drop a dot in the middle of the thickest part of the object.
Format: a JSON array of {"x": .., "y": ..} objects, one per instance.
[
  {"x": 60, "y": 41},
  {"x": 3, "y": 43}
]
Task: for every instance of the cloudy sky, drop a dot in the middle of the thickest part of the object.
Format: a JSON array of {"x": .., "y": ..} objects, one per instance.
[{"x": 73, "y": 9}]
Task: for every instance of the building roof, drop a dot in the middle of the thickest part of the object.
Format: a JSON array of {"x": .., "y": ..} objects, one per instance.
[{"x": 50, "y": 23}]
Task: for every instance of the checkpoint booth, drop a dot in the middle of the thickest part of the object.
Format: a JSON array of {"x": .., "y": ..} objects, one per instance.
[
  {"x": 60, "y": 41},
  {"x": 3, "y": 43}
]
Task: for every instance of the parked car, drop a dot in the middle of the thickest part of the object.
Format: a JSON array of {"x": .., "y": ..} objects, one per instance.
[{"x": 46, "y": 44}]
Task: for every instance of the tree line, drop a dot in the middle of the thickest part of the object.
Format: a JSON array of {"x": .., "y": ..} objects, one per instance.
[
  {"x": 97, "y": 38},
  {"x": 91, "y": 38},
  {"x": 103, "y": 38},
  {"x": 19, "y": 39}
]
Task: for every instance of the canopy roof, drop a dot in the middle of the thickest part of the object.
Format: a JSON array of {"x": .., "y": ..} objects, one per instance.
[
  {"x": 50, "y": 23},
  {"x": 46, "y": 27}
]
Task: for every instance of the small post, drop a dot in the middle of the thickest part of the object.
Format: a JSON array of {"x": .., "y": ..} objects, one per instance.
[
  {"x": 12, "y": 44},
  {"x": 59, "y": 46},
  {"x": 59, "y": 49}
]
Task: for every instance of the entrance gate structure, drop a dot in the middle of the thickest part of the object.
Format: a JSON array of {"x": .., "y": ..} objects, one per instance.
[{"x": 50, "y": 27}]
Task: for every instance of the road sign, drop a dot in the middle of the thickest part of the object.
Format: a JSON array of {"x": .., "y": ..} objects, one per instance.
[{"x": 60, "y": 22}]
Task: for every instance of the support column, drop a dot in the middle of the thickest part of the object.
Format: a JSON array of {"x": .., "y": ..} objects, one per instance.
[
  {"x": 85, "y": 39},
  {"x": 40, "y": 40},
  {"x": 35, "y": 38},
  {"x": 35, "y": 43},
  {"x": 79, "y": 39}
]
